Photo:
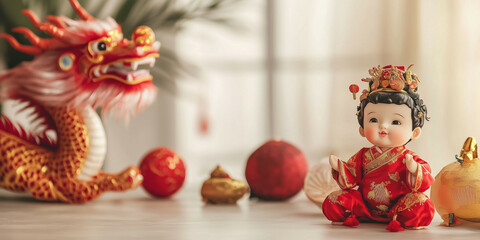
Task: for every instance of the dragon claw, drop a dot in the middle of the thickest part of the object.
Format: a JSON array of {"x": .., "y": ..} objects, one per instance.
[{"x": 132, "y": 177}]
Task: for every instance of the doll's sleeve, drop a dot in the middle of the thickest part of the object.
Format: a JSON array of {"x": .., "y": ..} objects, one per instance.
[
  {"x": 347, "y": 173},
  {"x": 422, "y": 180}
]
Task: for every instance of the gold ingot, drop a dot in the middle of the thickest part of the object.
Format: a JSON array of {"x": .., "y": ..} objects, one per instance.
[
  {"x": 220, "y": 188},
  {"x": 456, "y": 190}
]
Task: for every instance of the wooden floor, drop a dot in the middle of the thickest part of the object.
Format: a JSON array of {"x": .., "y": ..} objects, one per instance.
[{"x": 135, "y": 215}]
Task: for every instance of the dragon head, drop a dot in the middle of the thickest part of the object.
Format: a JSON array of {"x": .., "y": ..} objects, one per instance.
[{"x": 87, "y": 62}]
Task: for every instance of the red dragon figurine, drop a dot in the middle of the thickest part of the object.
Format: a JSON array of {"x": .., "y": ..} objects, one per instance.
[{"x": 87, "y": 64}]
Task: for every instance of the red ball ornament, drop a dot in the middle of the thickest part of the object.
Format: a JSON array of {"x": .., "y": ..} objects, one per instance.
[
  {"x": 276, "y": 170},
  {"x": 163, "y": 172}
]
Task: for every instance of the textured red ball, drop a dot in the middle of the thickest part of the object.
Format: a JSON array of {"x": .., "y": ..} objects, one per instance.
[
  {"x": 276, "y": 170},
  {"x": 163, "y": 172}
]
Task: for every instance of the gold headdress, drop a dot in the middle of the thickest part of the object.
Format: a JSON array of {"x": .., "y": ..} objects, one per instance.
[{"x": 388, "y": 79}]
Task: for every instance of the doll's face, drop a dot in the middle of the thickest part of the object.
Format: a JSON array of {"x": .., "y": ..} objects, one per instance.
[{"x": 388, "y": 125}]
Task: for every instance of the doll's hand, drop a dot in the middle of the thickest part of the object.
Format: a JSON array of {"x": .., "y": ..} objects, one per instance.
[
  {"x": 411, "y": 164},
  {"x": 334, "y": 162}
]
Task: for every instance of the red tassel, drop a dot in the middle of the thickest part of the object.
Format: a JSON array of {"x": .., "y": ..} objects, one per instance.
[
  {"x": 351, "y": 221},
  {"x": 395, "y": 226}
]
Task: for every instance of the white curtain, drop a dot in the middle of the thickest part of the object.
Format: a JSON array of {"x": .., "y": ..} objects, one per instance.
[
  {"x": 320, "y": 48},
  {"x": 327, "y": 45}
]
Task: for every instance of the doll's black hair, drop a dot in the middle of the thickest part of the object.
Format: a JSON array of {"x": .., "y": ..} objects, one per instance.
[{"x": 409, "y": 98}]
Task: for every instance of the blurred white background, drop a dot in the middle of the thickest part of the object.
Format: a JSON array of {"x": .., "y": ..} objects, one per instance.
[{"x": 286, "y": 75}]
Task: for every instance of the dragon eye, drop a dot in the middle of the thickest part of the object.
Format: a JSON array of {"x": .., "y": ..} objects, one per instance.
[{"x": 99, "y": 46}]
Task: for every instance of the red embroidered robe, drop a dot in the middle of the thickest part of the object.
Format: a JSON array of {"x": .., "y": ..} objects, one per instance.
[{"x": 386, "y": 189}]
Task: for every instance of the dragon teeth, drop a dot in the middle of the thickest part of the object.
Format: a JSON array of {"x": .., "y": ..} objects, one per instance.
[
  {"x": 150, "y": 61},
  {"x": 96, "y": 72},
  {"x": 104, "y": 69},
  {"x": 156, "y": 45},
  {"x": 134, "y": 65},
  {"x": 128, "y": 68}
]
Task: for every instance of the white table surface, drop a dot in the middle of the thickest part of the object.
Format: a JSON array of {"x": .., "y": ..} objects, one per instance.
[{"x": 136, "y": 215}]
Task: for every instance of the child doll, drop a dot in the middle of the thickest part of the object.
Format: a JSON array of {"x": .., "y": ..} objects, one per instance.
[{"x": 390, "y": 179}]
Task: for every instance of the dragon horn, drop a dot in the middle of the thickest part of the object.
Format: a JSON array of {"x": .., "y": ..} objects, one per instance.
[
  {"x": 46, "y": 27},
  {"x": 57, "y": 21},
  {"x": 34, "y": 39},
  {"x": 32, "y": 50},
  {"x": 81, "y": 11}
]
